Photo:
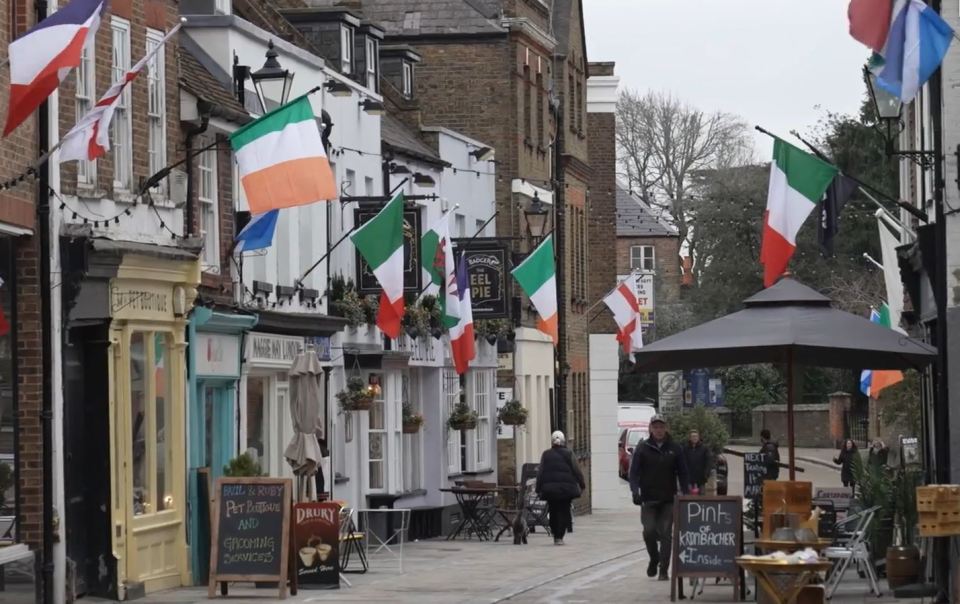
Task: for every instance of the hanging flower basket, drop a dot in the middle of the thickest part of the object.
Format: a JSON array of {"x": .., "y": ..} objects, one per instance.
[
  {"x": 462, "y": 418},
  {"x": 411, "y": 419},
  {"x": 512, "y": 413},
  {"x": 356, "y": 397}
]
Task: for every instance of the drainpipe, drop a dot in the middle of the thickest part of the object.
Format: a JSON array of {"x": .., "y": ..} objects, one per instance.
[
  {"x": 205, "y": 110},
  {"x": 46, "y": 330}
]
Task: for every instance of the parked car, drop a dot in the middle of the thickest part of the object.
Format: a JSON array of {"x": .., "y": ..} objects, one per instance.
[
  {"x": 629, "y": 437},
  {"x": 634, "y": 414}
]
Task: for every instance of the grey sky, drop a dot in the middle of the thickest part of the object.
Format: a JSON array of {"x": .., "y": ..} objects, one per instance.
[{"x": 778, "y": 63}]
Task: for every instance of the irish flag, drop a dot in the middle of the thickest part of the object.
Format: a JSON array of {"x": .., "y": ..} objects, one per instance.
[
  {"x": 436, "y": 261},
  {"x": 622, "y": 302},
  {"x": 872, "y": 381},
  {"x": 281, "y": 161},
  {"x": 461, "y": 334},
  {"x": 797, "y": 183},
  {"x": 380, "y": 242},
  {"x": 537, "y": 276}
]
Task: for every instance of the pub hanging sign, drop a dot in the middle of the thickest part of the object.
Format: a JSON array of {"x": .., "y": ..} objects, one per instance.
[
  {"x": 488, "y": 268},
  {"x": 367, "y": 283}
]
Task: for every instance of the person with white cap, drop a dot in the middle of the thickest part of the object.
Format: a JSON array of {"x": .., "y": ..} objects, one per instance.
[
  {"x": 657, "y": 469},
  {"x": 559, "y": 482}
]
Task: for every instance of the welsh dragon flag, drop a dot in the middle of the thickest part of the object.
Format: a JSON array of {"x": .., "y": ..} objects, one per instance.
[
  {"x": 798, "y": 181},
  {"x": 380, "y": 243},
  {"x": 436, "y": 260}
]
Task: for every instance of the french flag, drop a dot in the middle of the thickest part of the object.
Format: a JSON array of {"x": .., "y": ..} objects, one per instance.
[
  {"x": 41, "y": 58},
  {"x": 461, "y": 334},
  {"x": 90, "y": 137}
]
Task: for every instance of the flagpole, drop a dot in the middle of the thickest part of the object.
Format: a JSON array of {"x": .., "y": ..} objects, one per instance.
[{"x": 299, "y": 282}]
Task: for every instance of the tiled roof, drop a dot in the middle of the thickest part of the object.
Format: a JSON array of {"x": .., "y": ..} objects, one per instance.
[
  {"x": 637, "y": 219},
  {"x": 401, "y": 139},
  {"x": 196, "y": 80},
  {"x": 427, "y": 17}
]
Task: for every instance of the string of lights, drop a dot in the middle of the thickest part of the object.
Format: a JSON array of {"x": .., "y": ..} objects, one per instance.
[
  {"x": 32, "y": 173},
  {"x": 96, "y": 221}
]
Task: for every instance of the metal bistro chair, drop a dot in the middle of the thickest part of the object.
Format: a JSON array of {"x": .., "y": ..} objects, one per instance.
[
  {"x": 854, "y": 549},
  {"x": 535, "y": 509},
  {"x": 351, "y": 542}
]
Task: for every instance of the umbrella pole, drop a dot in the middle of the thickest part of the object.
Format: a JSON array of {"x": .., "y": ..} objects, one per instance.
[{"x": 790, "y": 427}]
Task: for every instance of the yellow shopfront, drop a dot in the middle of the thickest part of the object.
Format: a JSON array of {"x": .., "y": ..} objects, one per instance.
[{"x": 150, "y": 299}]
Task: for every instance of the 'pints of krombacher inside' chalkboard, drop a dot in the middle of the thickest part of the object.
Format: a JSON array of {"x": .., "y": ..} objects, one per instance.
[
  {"x": 251, "y": 531},
  {"x": 707, "y": 538}
]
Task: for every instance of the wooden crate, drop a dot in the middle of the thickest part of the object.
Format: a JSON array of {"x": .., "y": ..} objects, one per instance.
[{"x": 939, "y": 524}]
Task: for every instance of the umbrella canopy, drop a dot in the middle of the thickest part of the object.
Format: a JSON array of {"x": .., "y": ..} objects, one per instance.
[
  {"x": 303, "y": 452},
  {"x": 788, "y": 319},
  {"x": 787, "y": 323}
]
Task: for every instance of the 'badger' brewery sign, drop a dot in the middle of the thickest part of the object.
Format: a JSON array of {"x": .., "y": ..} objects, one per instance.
[{"x": 487, "y": 265}]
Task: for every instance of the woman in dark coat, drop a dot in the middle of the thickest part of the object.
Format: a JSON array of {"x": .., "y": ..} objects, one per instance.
[
  {"x": 559, "y": 482},
  {"x": 847, "y": 454}
]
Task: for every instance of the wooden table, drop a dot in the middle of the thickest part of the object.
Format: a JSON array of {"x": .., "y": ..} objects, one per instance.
[
  {"x": 775, "y": 545},
  {"x": 783, "y": 581}
]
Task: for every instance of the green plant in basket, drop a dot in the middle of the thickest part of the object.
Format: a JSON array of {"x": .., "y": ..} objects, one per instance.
[
  {"x": 462, "y": 417},
  {"x": 411, "y": 419},
  {"x": 513, "y": 413},
  {"x": 356, "y": 396},
  {"x": 242, "y": 465}
]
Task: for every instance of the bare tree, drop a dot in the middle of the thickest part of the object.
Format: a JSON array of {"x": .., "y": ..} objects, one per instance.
[{"x": 662, "y": 142}]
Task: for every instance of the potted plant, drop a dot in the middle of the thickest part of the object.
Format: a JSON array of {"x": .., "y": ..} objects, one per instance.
[
  {"x": 356, "y": 396},
  {"x": 412, "y": 420},
  {"x": 512, "y": 413},
  {"x": 242, "y": 465},
  {"x": 462, "y": 417},
  {"x": 494, "y": 331},
  {"x": 903, "y": 559},
  {"x": 875, "y": 487},
  {"x": 416, "y": 318}
]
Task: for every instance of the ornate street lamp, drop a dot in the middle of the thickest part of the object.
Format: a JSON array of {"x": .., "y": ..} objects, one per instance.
[
  {"x": 888, "y": 109},
  {"x": 271, "y": 80},
  {"x": 536, "y": 217}
]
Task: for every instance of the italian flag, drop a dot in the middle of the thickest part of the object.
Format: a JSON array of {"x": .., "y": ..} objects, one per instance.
[
  {"x": 436, "y": 262},
  {"x": 872, "y": 381},
  {"x": 281, "y": 161},
  {"x": 380, "y": 242},
  {"x": 798, "y": 181},
  {"x": 537, "y": 276}
]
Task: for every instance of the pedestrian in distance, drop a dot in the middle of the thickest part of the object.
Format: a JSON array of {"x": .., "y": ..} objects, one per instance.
[
  {"x": 559, "y": 482},
  {"x": 879, "y": 453},
  {"x": 657, "y": 472},
  {"x": 845, "y": 459},
  {"x": 699, "y": 462},
  {"x": 771, "y": 455}
]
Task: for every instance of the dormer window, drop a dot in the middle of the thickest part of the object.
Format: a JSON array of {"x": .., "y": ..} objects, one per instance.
[
  {"x": 373, "y": 64},
  {"x": 222, "y": 7},
  {"x": 407, "y": 88},
  {"x": 346, "y": 49}
]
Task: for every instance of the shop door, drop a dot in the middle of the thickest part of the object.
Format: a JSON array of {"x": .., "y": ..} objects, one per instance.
[
  {"x": 154, "y": 499},
  {"x": 218, "y": 425}
]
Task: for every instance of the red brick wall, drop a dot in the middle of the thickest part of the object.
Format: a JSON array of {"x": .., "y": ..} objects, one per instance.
[
  {"x": 141, "y": 16},
  {"x": 602, "y": 210},
  {"x": 218, "y": 287},
  {"x": 30, "y": 390}
]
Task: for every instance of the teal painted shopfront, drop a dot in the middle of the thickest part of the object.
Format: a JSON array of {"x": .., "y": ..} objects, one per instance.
[{"x": 216, "y": 349}]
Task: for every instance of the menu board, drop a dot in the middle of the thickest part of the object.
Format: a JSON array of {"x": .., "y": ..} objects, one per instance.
[
  {"x": 754, "y": 472},
  {"x": 251, "y": 529},
  {"x": 707, "y": 538},
  {"x": 316, "y": 540}
]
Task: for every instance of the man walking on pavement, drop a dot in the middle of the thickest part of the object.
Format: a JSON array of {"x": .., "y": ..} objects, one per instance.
[
  {"x": 771, "y": 455},
  {"x": 656, "y": 469}
]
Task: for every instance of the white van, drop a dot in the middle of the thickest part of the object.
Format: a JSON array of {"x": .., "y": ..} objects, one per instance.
[{"x": 634, "y": 415}]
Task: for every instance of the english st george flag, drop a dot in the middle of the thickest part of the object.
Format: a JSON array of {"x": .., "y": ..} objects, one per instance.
[{"x": 622, "y": 302}]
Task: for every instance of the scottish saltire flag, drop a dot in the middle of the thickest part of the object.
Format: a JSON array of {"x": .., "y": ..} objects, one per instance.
[
  {"x": 258, "y": 234},
  {"x": 90, "y": 137},
  {"x": 917, "y": 41},
  {"x": 41, "y": 58}
]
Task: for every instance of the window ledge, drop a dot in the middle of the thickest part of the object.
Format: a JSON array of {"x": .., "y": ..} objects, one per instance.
[
  {"x": 482, "y": 472},
  {"x": 341, "y": 480},
  {"x": 124, "y": 196}
]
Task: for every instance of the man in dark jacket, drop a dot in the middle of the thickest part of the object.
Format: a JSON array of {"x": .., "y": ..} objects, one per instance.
[
  {"x": 697, "y": 458},
  {"x": 656, "y": 469},
  {"x": 771, "y": 455},
  {"x": 559, "y": 482}
]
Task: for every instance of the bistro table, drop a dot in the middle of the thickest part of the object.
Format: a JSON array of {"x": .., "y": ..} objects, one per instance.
[
  {"x": 783, "y": 580},
  {"x": 473, "y": 521}
]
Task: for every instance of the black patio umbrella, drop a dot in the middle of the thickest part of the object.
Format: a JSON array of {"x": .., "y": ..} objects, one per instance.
[{"x": 787, "y": 323}]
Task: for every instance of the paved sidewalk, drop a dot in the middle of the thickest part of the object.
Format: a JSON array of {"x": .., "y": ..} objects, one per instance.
[{"x": 603, "y": 561}]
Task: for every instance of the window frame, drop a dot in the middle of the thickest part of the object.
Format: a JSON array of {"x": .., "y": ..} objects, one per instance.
[
  {"x": 156, "y": 76},
  {"x": 84, "y": 102},
  {"x": 406, "y": 78},
  {"x": 411, "y": 479},
  {"x": 123, "y": 149},
  {"x": 347, "y": 40},
  {"x": 480, "y": 400},
  {"x": 223, "y": 7},
  {"x": 372, "y": 46},
  {"x": 451, "y": 390},
  {"x": 209, "y": 203},
  {"x": 641, "y": 266}
]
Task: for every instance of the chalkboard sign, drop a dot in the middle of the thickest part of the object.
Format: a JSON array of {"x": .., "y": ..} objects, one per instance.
[
  {"x": 251, "y": 531},
  {"x": 707, "y": 538},
  {"x": 754, "y": 472}
]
